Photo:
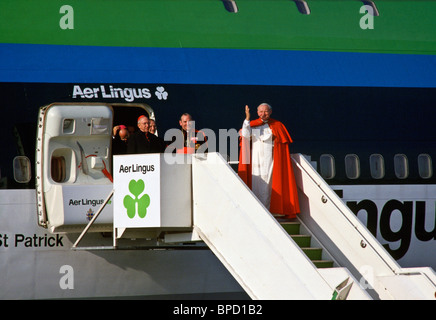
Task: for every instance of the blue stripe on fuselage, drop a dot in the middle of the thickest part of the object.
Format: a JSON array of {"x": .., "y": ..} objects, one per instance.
[{"x": 86, "y": 64}]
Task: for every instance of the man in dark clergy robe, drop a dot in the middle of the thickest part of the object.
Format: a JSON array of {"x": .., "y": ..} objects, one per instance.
[
  {"x": 265, "y": 162},
  {"x": 192, "y": 139},
  {"x": 144, "y": 142}
]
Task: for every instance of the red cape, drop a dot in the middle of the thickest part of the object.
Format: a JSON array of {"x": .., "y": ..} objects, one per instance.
[{"x": 284, "y": 195}]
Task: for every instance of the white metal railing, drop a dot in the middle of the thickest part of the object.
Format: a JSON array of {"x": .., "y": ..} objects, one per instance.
[{"x": 350, "y": 242}]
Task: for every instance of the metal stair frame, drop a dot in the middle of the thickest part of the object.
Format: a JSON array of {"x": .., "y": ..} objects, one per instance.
[{"x": 351, "y": 244}]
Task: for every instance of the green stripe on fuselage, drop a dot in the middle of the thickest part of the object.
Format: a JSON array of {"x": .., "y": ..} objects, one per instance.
[{"x": 402, "y": 27}]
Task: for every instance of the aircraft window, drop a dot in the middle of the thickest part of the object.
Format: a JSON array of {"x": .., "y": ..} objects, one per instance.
[
  {"x": 425, "y": 166},
  {"x": 63, "y": 164},
  {"x": 58, "y": 169},
  {"x": 401, "y": 165},
  {"x": 22, "y": 172},
  {"x": 327, "y": 166},
  {"x": 352, "y": 166},
  {"x": 69, "y": 126},
  {"x": 377, "y": 166}
]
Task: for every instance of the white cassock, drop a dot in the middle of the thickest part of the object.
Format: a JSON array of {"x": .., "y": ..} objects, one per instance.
[{"x": 261, "y": 160}]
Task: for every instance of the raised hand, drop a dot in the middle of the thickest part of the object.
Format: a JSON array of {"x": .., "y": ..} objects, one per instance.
[{"x": 247, "y": 113}]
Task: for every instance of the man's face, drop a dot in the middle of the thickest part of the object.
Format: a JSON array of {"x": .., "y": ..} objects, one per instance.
[
  {"x": 152, "y": 127},
  {"x": 143, "y": 124},
  {"x": 264, "y": 112},
  {"x": 184, "y": 122}
]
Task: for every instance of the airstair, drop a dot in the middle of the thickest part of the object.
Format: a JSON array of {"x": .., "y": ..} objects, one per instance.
[
  {"x": 326, "y": 253},
  {"x": 250, "y": 242}
]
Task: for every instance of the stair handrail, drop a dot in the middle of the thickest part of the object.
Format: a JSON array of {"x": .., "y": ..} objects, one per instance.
[{"x": 368, "y": 239}]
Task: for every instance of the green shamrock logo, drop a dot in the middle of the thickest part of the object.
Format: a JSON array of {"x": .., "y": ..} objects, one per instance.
[{"x": 136, "y": 188}]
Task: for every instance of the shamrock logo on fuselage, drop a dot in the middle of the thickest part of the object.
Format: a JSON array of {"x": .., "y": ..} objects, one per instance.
[
  {"x": 142, "y": 203},
  {"x": 161, "y": 93}
]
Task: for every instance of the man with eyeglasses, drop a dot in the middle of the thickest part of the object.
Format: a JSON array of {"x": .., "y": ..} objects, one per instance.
[{"x": 144, "y": 142}]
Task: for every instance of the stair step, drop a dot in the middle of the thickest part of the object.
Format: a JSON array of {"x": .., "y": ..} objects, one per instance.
[
  {"x": 313, "y": 253},
  {"x": 323, "y": 263},
  {"x": 291, "y": 227},
  {"x": 302, "y": 240}
]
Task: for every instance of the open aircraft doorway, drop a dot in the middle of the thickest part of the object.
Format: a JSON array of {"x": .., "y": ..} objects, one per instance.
[{"x": 73, "y": 157}]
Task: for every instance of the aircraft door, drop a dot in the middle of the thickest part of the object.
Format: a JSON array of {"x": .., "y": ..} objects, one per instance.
[{"x": 73, "y": 165}]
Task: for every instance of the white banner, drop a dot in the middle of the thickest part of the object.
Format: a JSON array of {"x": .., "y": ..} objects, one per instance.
[{"x": 137, "y": 191}]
